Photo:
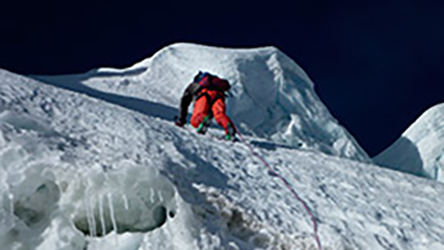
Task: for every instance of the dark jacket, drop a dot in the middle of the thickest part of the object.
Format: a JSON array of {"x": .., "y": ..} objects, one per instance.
[{"x": 189, "y": 95}]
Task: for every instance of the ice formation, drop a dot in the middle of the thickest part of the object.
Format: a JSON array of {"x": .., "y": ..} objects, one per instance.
[
  {"x": 272, "y": 97},
  {"x": 420, "y": 149},
  {"x": 94, "y": 162}
]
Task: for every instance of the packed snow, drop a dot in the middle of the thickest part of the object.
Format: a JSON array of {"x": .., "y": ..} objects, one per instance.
[
  {"x": 420, "y": 150},
  {"x": 273, "y": 97},
  {"x": 86, "y": 164}
]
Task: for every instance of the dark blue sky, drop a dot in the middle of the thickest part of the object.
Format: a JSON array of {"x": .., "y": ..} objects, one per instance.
[{"x": 377, "y": 65}]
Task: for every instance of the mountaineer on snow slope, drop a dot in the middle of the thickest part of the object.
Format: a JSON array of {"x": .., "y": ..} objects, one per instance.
[{"x": 208, "y": 93}]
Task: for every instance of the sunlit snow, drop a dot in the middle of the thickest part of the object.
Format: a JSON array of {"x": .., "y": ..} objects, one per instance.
[
  {"x": 420, "y": 150},
  {"x": 273, "y": 98},
  {"x": 94, "y": 162}
]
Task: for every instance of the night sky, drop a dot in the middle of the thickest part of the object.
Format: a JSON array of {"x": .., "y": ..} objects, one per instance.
[{"x": 377, "y": 65}]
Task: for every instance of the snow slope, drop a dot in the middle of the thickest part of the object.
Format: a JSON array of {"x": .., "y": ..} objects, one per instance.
[
  {"x": 112, "y": 172},
  {"x": 420, "y": 149},
  {"x": 273, "y": 98}
]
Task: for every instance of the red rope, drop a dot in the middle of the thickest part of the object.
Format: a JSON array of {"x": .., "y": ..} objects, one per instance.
[{"x": 304, "y": 204}]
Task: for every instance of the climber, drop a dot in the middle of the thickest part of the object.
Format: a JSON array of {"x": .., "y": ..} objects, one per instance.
[{"x": 208, "y": 92}]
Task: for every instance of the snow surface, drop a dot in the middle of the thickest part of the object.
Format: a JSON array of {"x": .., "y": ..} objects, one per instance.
[
  {"x": 106, "y": 170},
  {"x": 273, "y": 98},
  {"x": 420, "y": 150}
]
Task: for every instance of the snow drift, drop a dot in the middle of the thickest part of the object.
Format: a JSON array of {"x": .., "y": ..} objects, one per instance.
[
  {"x": 100, "y": 170},
  {"x": 68, "y": 174},
  {"x": 272, "y": 98},
  {"x": 420, "y": 149}
]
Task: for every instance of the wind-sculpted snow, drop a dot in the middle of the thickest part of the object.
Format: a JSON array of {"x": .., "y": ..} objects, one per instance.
[
  {"x": 67, "y": 173},
  {"x": 82, "y": 173},
  {"x": 272, "y": 97},
  {"x": 420, "y": 150}
]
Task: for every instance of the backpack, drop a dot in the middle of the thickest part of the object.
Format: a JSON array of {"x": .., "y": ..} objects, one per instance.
[{"x": 211, "y": 82}]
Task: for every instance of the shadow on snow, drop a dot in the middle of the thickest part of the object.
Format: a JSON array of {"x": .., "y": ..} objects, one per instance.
[{"x": 142, "y": 106}]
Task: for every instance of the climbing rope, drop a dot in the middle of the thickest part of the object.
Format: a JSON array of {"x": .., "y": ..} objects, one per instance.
[
  {"x": 287, "y": 184},
  {"x": 272, "y": 171}
]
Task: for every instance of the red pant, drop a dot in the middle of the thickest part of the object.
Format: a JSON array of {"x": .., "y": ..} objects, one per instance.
[{"x": 202, "y": 109}]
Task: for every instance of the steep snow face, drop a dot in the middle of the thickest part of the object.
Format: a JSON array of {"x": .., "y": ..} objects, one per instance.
[
  {"x": 78, "y": 173},
  {"x": 272, "y": 98},
  {"x": 420, "y": 150},
  {"x": 72, "y": 166}
]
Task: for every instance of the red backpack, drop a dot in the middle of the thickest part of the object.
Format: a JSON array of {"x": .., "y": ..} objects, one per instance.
[{"x": 211, "y": 82}]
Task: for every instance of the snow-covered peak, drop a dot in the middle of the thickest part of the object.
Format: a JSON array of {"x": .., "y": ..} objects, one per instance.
[
  {"x": 272, "y": 97},
  {"x": 420, "y": 150},
  {"x": 83, "y": 173}
]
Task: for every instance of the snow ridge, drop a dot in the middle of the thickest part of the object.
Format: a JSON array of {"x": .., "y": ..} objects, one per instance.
[
  {"x": 84, "y": 168},
  {"x": 272, "y": 98},
  {"x": 420, "y": 149}
]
